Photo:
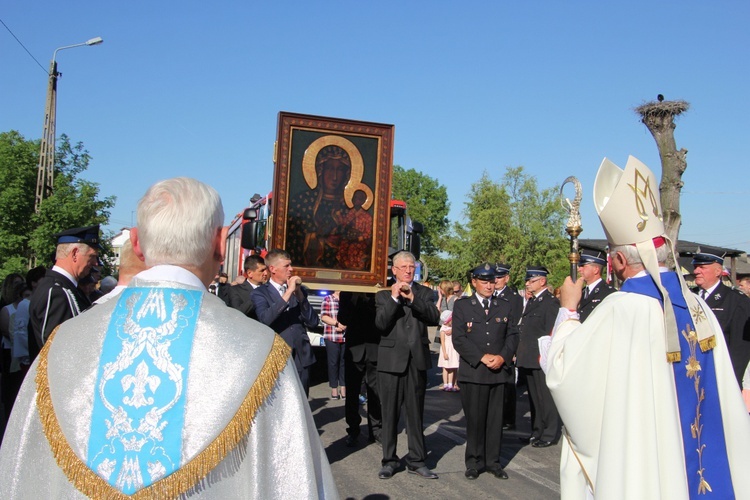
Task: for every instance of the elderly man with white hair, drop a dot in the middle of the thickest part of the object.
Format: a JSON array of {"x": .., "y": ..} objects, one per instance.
[
  {"x": 165, "y": 392},
  {"x": 645, "y": 385}
]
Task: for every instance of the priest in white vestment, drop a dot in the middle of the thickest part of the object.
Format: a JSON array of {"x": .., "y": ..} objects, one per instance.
[
  {"x": 165, "y": 392},
  {"x": 645, "y": 386}
]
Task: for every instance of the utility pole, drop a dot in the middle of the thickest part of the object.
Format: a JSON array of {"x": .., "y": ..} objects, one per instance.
[{"x": 46, "y": 170}]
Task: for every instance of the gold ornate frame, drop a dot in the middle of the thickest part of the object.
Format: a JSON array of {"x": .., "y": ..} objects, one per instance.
[{"x": 370, "y": 149}]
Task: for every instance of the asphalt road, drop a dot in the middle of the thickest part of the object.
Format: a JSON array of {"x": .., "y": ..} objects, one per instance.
[{"x": 534, "y": 472}]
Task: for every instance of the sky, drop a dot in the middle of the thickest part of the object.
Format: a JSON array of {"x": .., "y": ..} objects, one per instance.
[{"x": 194, "y": 88}]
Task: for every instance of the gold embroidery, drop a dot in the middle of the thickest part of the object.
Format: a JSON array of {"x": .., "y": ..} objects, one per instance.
[
  {"x": 692, "y": 368},
  {"x": 177, "y": 483},
  {"x": 641, "y": 196},
  {"x": 698, "y": 314}
]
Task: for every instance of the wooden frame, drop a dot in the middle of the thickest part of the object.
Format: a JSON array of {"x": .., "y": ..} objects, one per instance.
[{"x": 331, "y": 204}]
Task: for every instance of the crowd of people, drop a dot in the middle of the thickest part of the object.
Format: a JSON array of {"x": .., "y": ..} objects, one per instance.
[{"x": 641, "y": 385}]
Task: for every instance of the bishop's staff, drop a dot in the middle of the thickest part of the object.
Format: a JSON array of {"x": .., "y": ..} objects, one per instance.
[{"x": 573, "y": 227}]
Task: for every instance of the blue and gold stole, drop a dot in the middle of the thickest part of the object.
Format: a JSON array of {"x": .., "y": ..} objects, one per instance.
[
  {"x": 139, "y": 399},
  {"x": 701, "y": 423}
]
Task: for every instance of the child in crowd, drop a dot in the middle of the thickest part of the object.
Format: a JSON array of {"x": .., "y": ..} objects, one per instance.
[{"x": 448, "y": 359}]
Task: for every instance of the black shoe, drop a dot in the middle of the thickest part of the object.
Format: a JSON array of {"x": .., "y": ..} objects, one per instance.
[
  {"x": 542, "y": 444},
  {"x": 351, "y": 441},
  {"x": 499, "y": 473},
  {"x": 386, "y": 472},
  {"x": 509, "y": 427},
  {"x": 528, "y": 440},
  {"x": 471, "y": 473},
  {"x": 423, "y": 471}
]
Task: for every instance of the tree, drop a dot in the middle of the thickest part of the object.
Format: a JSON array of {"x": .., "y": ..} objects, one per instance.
[
  {"x": 427, "y": 201},
  {"x": 659, "y": 116},
  {"x": 512, "y": 222},
  {"x": 74, "y": 202}
]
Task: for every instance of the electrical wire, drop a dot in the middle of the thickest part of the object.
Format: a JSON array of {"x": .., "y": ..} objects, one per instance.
[{"x": 24, "y": 47}]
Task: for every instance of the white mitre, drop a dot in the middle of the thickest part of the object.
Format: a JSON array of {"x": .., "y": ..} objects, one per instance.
[{"x": 627, "y": 202}]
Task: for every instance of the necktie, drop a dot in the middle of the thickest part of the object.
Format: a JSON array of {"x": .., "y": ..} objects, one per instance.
[
  {"x": 283, "y": 289},
  {"x": 703, "y": 294},
  {"x": 586, "y": 292},
  {"x": 486, "y": 304}
]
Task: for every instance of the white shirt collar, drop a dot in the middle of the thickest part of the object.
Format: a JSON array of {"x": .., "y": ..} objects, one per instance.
[
  {"x": 592, "y": 285},
  {"x": 166, "y": 272},
  {"x": 711, "y": 290},
  {"x": 65, "y": 273}
]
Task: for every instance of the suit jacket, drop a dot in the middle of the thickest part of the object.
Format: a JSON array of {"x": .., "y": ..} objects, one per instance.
[
  {"x": 732, "y": 309},
  {"x": 596, "y": 295},
  {"x": 537, "y": 321},
  {"x": 476, "y": 334},
  {"x": 403, "y": 329},
  {"x": 239, "y": 298},
  {"x": 55, "y": 300},
  {"x": 357, "y": 312},
  {"x": 289, "y": 320}
]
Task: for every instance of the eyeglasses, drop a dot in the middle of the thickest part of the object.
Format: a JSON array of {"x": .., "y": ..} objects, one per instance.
[
  {"x": 456, "y": 290},
  {"x": 405, "y": 268},
  {"x": 533, "y": 280}
]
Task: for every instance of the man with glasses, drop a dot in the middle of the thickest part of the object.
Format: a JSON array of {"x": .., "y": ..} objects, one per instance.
[
  {"x": 402, "y": 314},
  {"x": 57, "y": 297},
  {"x": 537, "y": 321},
  {"x": 590, "y": 268}
]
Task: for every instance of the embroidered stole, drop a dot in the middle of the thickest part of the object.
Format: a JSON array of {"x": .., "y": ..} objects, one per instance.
[{"x": 701, "y": 422}]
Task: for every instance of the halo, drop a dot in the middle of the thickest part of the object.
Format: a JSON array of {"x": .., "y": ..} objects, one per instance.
[{"x": 355, "y": 179}]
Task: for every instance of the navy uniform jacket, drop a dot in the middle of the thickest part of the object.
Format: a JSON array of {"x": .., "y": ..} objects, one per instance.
[
  {"x": 289, "y": 320},
  {"x": 55, "y": 300},
  {"x": 732, "y": 309},
  {"x": 537, "y": 320},
  {"x": 357, "y": 312},
  {"x": 476, "y": 334},
  {"x": 587, "y": 305},
  {"x": 403, "y": 330},
  {"x": 239, "y": 298}
]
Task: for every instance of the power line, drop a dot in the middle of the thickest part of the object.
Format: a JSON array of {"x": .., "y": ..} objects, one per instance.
[{"x": 24, "y": 47}]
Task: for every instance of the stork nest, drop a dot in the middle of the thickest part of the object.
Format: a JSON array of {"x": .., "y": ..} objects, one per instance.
[{"x": 662, "y": 109}]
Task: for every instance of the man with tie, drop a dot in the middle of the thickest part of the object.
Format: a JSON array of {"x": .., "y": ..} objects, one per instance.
[
  {"x": 590, "y": 267},
  {"x": 256, "y": 273},
  {"x": 537, "y": 321},
  {"x": 282, "y": 304},
  {"x": 402, "y": 314},
  {"x": 731, "y": 307},
  {"x": 485, "y": 334},
  {"x": 503, "y": 291}
]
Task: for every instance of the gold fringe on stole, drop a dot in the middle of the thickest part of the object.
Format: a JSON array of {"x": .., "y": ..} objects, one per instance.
[
  {"x": 673, "y": 357},
  {"x": 708, "y": 343},
  {"x": 177, "y": 483}
]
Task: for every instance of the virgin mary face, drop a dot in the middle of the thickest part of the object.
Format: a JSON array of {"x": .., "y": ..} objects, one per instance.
[{"x": 334, "y": 175}]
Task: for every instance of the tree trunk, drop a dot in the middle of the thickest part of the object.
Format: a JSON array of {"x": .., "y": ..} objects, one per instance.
[{"x": 659, "y": 118}]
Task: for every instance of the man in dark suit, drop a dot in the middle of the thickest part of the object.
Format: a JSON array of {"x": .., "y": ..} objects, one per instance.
[
  {"x": 57, "y": 297},
  {"x": 402, "y": 314},
  {"x": 537, "y": 321},
  {"x": 256, "y": 273},
  {"x": 282, "y": 304},
  {"x": 357, "y": 312},
  {"x": 485, "y": 334},
  {"x": 590, "y": 268},
  {"x": 503, "y": 291},
  {"x": 731, "y": 307}
]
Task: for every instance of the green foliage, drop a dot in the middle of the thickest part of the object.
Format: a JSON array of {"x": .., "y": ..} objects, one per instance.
[
  {"x": 427, "y": 202},
  {"x": 512, "y": 222},
  {"x": 74, "y": 201}
]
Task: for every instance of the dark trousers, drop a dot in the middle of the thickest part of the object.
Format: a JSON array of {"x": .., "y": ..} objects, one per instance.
[
  {"x": 304, "y": 378},
  {"x": 483, "y": 408},
  {"x": 509, "y": 403},
  {"x": 335, "y": 353},
  {"x": 397, "y": 389},
  {"x": 546, "y": 421},
  {"x": 355, "y": 373}
]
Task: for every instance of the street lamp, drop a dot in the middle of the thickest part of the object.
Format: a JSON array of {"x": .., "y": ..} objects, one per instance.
[{"x": 45, "y": 172}]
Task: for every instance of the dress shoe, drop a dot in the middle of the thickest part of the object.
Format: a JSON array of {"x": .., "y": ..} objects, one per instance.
[
  {"x": 508, "y": 427},
  {"x": 471, "y": 473},
  {"x": 386, "y": 472},
  {"x": 528, "y": 440},
  {"x": 542, "y": 444},
  {"x": 424, "y": 472},
  {"x": 499, "y": 473},
  {"x": 351, "y": 441}
]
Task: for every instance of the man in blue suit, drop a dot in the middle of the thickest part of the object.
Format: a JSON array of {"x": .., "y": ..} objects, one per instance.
[{"x": 282, "y": 304}]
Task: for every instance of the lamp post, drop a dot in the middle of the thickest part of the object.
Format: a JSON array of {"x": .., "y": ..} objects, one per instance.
[{"x": 45, "y": 172}]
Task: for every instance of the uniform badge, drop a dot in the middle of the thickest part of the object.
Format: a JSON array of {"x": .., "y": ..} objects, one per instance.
[
  {"x": 468, "y": 326},
  {"x": 717, "y": 296},
  {"x": 497, "y": 320}
]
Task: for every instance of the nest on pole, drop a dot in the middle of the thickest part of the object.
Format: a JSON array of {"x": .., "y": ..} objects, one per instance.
[{"x": 662, "y": 109}]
